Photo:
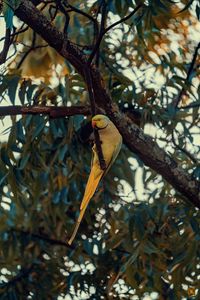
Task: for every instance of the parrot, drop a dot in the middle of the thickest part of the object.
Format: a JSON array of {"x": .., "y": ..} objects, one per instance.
[{"x": 111, "y": 141}]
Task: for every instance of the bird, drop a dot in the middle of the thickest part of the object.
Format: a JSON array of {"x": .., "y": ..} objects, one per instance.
[{"x": 111, "y": 142}]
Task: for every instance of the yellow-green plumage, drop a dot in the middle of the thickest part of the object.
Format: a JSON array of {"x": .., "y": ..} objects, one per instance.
[{"x": 111, "y": 142}]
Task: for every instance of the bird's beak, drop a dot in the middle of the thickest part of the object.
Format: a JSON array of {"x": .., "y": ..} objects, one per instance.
[{"x": 93, "y": 124}]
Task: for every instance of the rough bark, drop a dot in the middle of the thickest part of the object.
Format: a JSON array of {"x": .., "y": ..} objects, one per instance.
[
  {"x": 51, "y": 111},
  {"x": 148, "y": 151}
]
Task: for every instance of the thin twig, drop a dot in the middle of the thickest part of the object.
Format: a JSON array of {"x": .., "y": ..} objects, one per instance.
[
  {"x": 80, "y": 12},
  {"x": 15, "y": 33},
  {"x": 67, "y": 18},
  {"x": 193, "y": 105},
  {"x": 187, "y": 153},
  {"x": 26, "y": 54},
  {"x": 44, "y": 238},
  {"x": 101, "y": 34},
  {"x": 6, "y": 46},
  {"x": 104, "y": 30},
  {"x": 187, "y": 80},
  {"x": 123, "y": 19}
]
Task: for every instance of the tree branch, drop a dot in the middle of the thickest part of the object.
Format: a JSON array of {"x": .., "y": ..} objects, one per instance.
[
  {"x": 44, "y": 238},
  {"x": 187, "y": 80},
  {"x": 52, "y": 111},
  {"x": 101, "y": 34},
  {"x": 123, "y": 19},
  {"x": 15, "y": 33},
  {"x": 80, "y": 12},
  {"x": 147, "y": 150},
  {"x": 104, "y": 30},
  {"x": 6, "y": 46},
  {"x": 192, "y": 105}
]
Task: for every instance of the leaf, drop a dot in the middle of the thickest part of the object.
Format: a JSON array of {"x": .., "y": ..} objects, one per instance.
[
  {"x": 12, "y": 87},
  {"x": 62, "y": 152},
  {"x": 20, "y": 132},
  {"x": 196, "y": 173},
  {"x": 63, "y": 195},
  {"x": 56, "y": 198},
  {"x": 22, "y": 91},
  {"x": 131, "y": 260},
  {"x": 77, "y": 120},
  {"x": 139, "y": 226},
  {"x": 24, "y": 161},
  {"x": 9, "y": 8},
  {"x": 54, "y": 129},
  {"x": 38, "y": 128},
  {"x": 5, "y": 158},
  {"x": 30, "y": 91},
  {"x": 195, "y": 226},
  {"x": 2, "y": 178},
  {"x": 119, "y": 6},
  {"x": 88, "y": 247},
  {"x": 171, "y": 111},
  {"x": 8, "y": 13},
  {"x": 150, "y": 248}
]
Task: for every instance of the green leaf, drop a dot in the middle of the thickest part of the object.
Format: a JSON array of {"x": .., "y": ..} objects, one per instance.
[
  {"x": 150, "y": 248},
  {"x": 5, "y": 158},
  {"x": 38, "y": 129},
  {"x": 24, "y": 161},
  {"x": 8, "y": 15},
  {"x": 9, "y": 8},
  {"x": 2, "y": 178},
  {"x": 12, "y": 87},
  {"x": 20, "y": 132},
  {"x": 119, "y": 6},
  {"x": 131, "y": 260},
  {"x": 62, "y": 152},
  {"x": 56, "y": 198}
]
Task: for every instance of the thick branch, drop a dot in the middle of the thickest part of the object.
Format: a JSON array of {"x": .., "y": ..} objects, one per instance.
[
  {"x": 155, "y": 157},
  {"x": 52, "y": 111},
  {"x": 148, "y": 151}
]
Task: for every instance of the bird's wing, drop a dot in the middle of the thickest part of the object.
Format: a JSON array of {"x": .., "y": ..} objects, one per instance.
[{"x": 113, "y": 158}]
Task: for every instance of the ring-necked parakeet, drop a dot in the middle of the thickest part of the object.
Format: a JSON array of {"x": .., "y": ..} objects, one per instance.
[{"x": 111, "y": 141}]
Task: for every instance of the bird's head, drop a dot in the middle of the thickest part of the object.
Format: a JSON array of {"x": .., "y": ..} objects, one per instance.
[{"x": 100, "y": 121}]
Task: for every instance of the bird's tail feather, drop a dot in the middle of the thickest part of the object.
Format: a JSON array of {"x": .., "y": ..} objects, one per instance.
[
  {"x": 90, "y": 189},
  {"x": 89, "y": 192}
]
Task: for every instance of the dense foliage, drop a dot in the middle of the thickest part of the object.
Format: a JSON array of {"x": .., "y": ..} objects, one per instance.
[{"x": 139, "y": 236}]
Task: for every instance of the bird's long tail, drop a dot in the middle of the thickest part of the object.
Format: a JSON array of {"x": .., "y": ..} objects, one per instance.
[{"x": 90, "y": 189}]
